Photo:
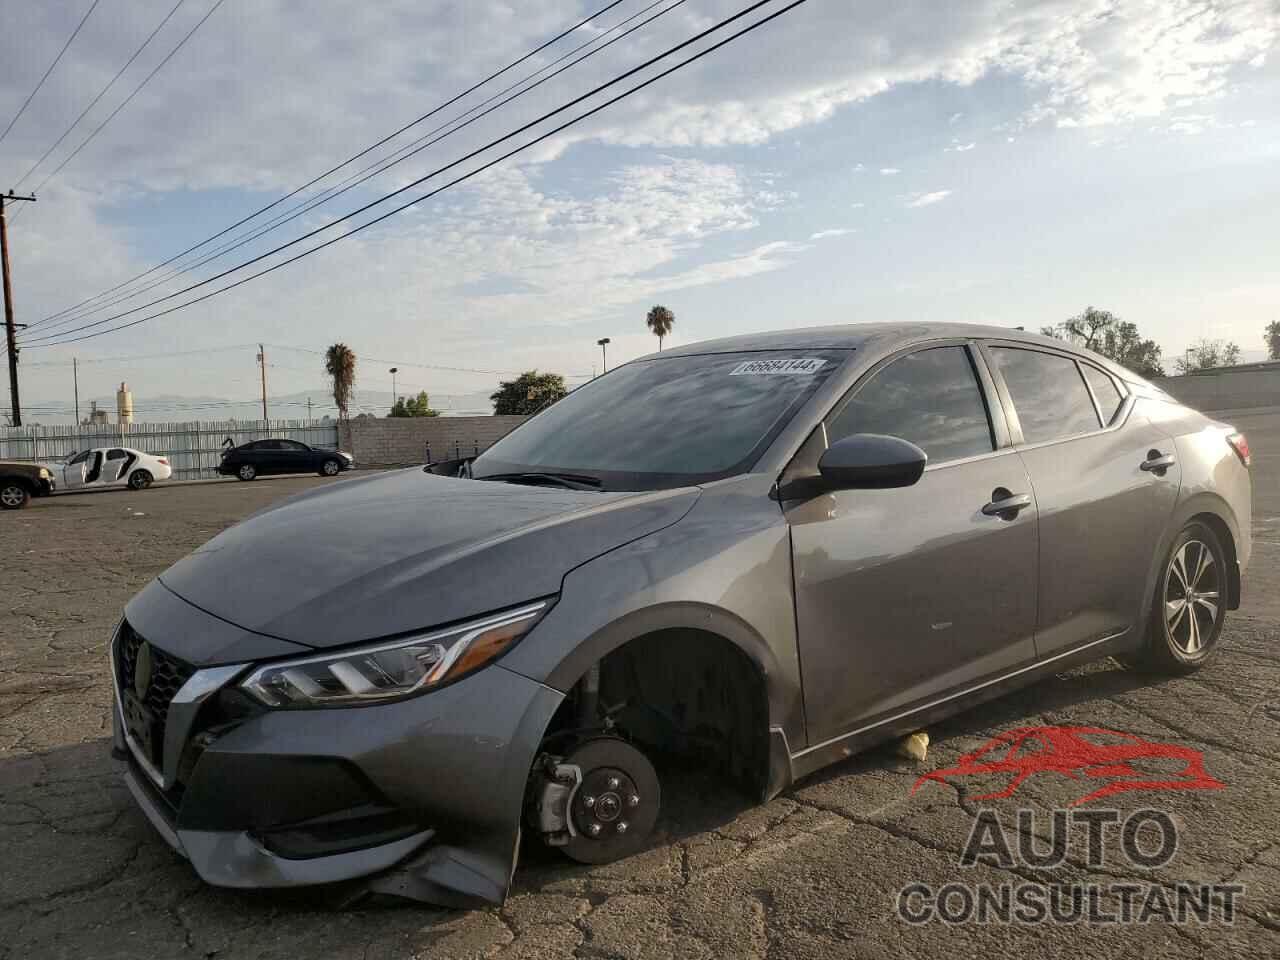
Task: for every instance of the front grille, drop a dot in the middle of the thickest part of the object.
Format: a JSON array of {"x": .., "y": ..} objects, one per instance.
[{"x": 168, "y": 674}]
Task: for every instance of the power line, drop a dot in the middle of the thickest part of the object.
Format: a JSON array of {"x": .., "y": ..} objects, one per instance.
[
  {"x": 74, "y": 33},
  {"x": 432, "y": 193},
  {"x": 101, "y": 93},
  {"x": 136, "y": 90},
  {"x": 391, "y": 160},
  {"x": 312, "y": 182}
]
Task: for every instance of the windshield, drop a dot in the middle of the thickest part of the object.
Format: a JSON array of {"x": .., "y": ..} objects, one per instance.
[{"x": 668, "y": 421}]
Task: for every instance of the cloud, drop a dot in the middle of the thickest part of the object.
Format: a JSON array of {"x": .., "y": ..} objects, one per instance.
[
  {"x": 959, "y": 148},
  {"x": 889, "y": 171},
  {"x": 857, "y": 205},
  {"x": 926, "y": 199},
  {"x": 836, "y": 232},
  {"x": 1084, "y": 62}
]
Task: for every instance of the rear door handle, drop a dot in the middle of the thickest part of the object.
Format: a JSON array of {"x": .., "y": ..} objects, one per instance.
[
  {"x": 1157, "y": 463},
  {"x": 1007, "y": 507}
]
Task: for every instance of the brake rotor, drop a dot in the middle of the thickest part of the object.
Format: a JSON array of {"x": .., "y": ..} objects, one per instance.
[{"x": 615, "y": 808}]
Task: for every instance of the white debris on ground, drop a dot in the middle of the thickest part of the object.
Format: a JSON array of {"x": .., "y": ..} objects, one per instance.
[{"x": 914, "y": 747}]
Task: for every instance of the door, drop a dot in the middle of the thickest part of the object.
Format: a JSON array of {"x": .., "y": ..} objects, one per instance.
[
  {"x": 264, "y": 455},
  {"x": 904, "y": 596},
  {"x": 1103, "y": 500},
  {"x": 73, "y": 473},
  {"x": 117, "y": 461},
  {"x": 296, "y": 457}
]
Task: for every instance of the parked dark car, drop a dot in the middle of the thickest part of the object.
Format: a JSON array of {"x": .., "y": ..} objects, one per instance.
[
  {"x": 759, "y": 555},
  {"x": 19, "y": 482},
  {"x": 265, "y": 457}
]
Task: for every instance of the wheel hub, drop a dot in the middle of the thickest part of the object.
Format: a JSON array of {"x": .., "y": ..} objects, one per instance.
[{"x": 614, "y": 808}]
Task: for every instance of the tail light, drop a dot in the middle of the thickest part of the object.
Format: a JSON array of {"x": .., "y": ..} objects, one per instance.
[
  {"x": 1241, "y": 446},
  {"x": 164, "y": 460}
]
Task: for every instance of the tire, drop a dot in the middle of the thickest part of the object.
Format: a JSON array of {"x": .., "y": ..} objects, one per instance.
[
  {"x": 614, "y": 771},
  {"x": 13, "y": 495},
  {"x": 1181, "y": 635},
  {"x": 247, "y": 471},
  {"x": 330, "y": 468},
  {"x": 140, "y": 480}
]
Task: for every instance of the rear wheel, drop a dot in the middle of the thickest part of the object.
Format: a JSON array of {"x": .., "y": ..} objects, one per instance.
[
  {"x": 140, "y": 480},
  {"x": 330, "y": 468},
  {"x": 1190, "y": 604},
  {"x": 13, "y": 495},
  {"x": 247, "y": 471}
]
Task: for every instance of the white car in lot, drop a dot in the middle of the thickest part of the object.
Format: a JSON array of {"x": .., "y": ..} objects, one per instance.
[{"x": 110, "y": 467}]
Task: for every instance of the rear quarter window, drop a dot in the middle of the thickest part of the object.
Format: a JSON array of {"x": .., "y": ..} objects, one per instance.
[{"x": 1105, "y": 392}]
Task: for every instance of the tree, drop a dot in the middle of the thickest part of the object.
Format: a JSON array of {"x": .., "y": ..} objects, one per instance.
[
  {"x": 660, "y": 321},
  {"x": 418, "y": 406},
  {"x": 340, "y": 364},
  {"x": 1272, "y": 338},
  {"x": 1207, "y": 354},
  {"x": 528, "y": 393},
  {"x": 1103, "y": 332}
]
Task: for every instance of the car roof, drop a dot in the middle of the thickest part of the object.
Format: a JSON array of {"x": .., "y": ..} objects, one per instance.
[
  {"x": 852, "y": 336},
  {"x": 881, "y": 335}
]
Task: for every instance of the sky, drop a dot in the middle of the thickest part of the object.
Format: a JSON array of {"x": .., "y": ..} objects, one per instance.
[{"x": 997, "y": 162}]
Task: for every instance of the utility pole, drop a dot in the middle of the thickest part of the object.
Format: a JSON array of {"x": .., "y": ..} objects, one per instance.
[
  {"x": 309, "y": 416},
  {"x": 604, "y": 361},
  {"x": 10, "y": 328},
  {"x": 75, "y": 380},
  {"x": 262, "y": 361}
]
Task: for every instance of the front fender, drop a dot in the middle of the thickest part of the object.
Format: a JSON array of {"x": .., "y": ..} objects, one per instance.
[{"x": 725, "y": 568}]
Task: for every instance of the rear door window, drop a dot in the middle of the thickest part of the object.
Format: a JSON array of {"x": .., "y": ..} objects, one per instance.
[
  {"x": 1048, "y": 393},
  {"x": 1105, "y": 392},
  {"x": 116, "y": 454},
  {"x": 930, "y": 397}
]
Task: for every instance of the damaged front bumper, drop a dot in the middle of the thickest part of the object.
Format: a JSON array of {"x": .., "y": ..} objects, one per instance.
[{"x": 419, "y": 798}]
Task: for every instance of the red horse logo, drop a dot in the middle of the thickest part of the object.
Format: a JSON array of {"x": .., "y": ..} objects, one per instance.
[{"x": 1094, "y": 752}]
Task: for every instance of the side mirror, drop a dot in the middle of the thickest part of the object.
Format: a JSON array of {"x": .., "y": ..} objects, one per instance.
[{"x": 871, "y": 461}]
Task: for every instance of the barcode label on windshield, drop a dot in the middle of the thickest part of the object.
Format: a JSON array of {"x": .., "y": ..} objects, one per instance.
[{"x": 796, "y": 366}]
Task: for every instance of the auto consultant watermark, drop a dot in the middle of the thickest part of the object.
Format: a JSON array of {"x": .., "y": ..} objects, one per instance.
[{"x": 1025, "y": 844}]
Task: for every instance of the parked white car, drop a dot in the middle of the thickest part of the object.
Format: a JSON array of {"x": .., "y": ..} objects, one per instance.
[{"x": 110, "y": 467}]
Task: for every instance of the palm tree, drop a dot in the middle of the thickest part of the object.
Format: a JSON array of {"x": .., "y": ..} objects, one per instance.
[
  {"x": 340, "y": 364},
  {"x": 660, "y": 321}
]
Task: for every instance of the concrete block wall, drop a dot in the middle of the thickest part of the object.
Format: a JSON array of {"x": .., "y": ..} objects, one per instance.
[
  {"x": 403, "y": 441},
  {"x": 1226, "y": 390}
]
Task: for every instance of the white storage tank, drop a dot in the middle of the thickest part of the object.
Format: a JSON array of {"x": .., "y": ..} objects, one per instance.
[{"x": 124, "y": 404}]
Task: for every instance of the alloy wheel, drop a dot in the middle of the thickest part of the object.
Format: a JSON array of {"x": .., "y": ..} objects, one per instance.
[
  {"x": 12, "y": 496},
  {"x": 1192, "y": 596}
]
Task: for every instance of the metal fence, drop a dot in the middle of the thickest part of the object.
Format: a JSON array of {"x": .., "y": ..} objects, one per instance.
[{"x": 193, "y": 449}]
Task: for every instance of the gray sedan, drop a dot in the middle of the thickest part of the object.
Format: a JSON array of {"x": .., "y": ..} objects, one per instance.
[{"x": 761, "y": 553}]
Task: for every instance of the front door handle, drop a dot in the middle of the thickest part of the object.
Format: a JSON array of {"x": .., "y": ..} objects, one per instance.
[
  {"x": 1157, "y": 462},
  {"x": 1006, "y": 505}
]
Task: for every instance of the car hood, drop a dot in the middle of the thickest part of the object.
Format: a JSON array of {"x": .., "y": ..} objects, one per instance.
[{"x": 401, "y": 551}]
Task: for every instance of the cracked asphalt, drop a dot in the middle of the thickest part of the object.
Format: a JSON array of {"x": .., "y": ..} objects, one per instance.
[{"x": 815, "y": 873}]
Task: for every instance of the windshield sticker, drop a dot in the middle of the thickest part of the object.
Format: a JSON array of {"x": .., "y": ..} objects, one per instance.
[{"x": 796, "y": 366}]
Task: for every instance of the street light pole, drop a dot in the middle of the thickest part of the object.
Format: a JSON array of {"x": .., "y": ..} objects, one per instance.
[
  {"x": 262, "y": 359},
  {"x": 604, "y": 361},
  {"x": 393, "y": 386}
]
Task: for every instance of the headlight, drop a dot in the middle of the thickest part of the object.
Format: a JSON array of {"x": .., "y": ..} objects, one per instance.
[
  {"x": 44, "y": 473},
  {"x": 389, "y": 671}
]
